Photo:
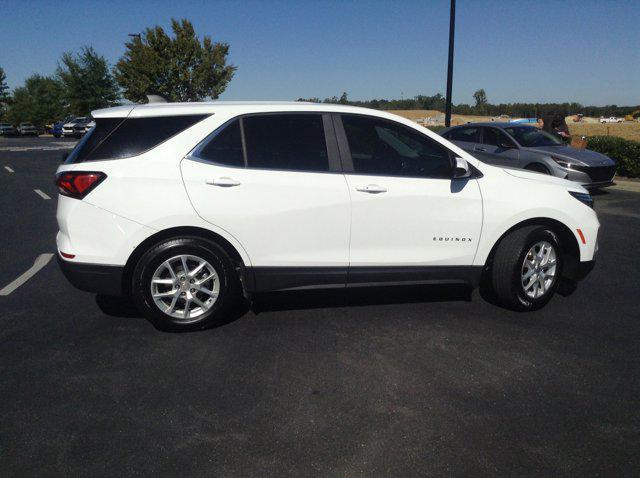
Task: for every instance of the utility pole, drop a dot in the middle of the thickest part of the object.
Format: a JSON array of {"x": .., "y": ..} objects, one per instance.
[{"x": 452, "y": 27}]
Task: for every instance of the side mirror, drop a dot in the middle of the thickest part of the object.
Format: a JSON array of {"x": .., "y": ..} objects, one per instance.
[
  {"x": 65, "y": 155},
  {"x": 461, "y": 168}
]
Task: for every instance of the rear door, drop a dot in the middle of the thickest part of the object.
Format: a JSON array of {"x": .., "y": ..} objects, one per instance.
[
  {"x": 497, "y": 148},
  {"x": 273, "y": 181}
]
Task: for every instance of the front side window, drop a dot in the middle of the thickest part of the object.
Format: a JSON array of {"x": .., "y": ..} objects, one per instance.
[
  {"x": 294, "y": 142},
  {"x": 383, "y": 147},
  {"x": 469, "y": 135},
  {"x": 495, "y": 137}
]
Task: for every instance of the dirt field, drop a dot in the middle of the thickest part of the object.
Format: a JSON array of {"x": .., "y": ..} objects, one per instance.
[{"x": 588, "y": 127}]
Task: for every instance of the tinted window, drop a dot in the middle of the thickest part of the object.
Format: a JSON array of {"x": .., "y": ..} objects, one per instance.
[
  {"x": 115, "y": 138},
  {"x": 470, "y": 135},
  {"x": 493, "y": 136},
  {"x": 286, "y": 141},
  {"x": 530, "y": 136},
  {"x": 391, "y": 149},
  {"x": 225, "y": 147}
]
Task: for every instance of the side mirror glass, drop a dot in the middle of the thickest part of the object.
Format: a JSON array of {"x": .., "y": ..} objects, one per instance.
[{"x": 461, "y": 168}]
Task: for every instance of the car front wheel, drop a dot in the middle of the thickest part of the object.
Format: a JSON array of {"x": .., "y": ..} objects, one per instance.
[
  {"x": 185, "y": 284},
  {"x": 527, "y": 267}
]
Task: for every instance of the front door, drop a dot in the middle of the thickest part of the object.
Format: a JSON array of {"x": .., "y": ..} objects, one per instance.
[
  {"x": 407, "y": 212},
  {"x": 497, "y": 148}
]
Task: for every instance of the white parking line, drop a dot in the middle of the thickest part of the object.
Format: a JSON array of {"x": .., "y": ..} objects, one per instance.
[
  {"x": 9, "y": 169},
  {"x": 41, "y": 194},
  {"x": 41, "y": 261}
]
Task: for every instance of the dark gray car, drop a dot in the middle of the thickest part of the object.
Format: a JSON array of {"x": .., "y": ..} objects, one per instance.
[{"x": 519, "y": 146}]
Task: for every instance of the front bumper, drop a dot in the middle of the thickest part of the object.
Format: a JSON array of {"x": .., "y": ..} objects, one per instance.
[{"x": 97, "y": 278}]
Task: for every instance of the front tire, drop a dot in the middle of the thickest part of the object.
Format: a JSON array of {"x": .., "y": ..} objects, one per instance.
[
  {"x": 527, "y": 267},
  {"x": 185, "y": 284}
]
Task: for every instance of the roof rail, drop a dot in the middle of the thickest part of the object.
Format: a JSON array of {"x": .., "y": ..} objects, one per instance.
[{"x": 156, "y": 99}]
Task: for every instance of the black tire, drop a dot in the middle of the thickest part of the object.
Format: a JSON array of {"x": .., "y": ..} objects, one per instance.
[
  {"x": 538, "y": 168},
  {"x": 507, "y": 268},
  {"x": 229, "y": 293}
]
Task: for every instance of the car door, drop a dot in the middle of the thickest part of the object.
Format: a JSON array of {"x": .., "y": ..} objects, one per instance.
[
  {"x": 410, "y": 219},
  {"x": 467, "y": 137},
  {"x": 497, "y": 148},
  {"x": 273, "y": 181}
]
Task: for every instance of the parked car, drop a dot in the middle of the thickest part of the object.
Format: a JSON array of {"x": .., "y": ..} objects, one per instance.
[
  {"x": 68, "y": 128},
  {"x": 81, "y": 127},
  {"x": 57, "y": 129},
  {"x": 611, "y": 119},
  {"x": 187, "y": 208},
  {"x": 527, "y": 147},
  {"x": 27, "y": 129},
  {"x": 7, "y": 129}
]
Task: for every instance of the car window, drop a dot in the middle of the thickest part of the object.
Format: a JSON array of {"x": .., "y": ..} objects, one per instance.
[
  {"x": 224, "y": 147},
  {"x": 530, "y": 136},
  {"x": 115, "y": 138},
  {"x": 493, "y": 137},
  {"x": 387, "y": 148},
  {"x": 470, "y": 135},
  {"x": 293, "y": 142}
]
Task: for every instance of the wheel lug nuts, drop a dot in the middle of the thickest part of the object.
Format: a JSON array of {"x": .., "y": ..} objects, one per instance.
[
  {"x": 191, "y": 281},
  {"x": 183, "y": 293},
  {"x": 192, "y": 290}
]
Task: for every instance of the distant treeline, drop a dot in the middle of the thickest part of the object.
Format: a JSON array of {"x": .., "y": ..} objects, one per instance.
[{"x": 437, "y": 102}]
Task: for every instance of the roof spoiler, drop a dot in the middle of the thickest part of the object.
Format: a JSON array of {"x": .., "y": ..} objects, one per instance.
[{"x": 156, "y": 99}]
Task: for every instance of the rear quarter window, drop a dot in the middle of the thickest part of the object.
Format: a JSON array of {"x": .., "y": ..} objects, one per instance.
[{"x": 117, "y": 138}]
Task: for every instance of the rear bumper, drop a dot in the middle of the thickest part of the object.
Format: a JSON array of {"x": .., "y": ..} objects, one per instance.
[{"x": 97, "y": 278}]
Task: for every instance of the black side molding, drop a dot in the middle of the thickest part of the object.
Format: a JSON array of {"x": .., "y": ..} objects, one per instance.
[{"x": 267, "y": 279}]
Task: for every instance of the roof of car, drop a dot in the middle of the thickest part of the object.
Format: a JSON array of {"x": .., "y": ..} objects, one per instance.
[
  {"x": 171, "y": 109},
  {"x": 499, "y": 124}
]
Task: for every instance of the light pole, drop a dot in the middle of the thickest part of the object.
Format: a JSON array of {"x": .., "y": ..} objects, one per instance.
[{"x": 452, "y": 27}]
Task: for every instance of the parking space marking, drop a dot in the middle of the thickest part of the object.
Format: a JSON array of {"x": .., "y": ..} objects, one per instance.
[
  {"x": 9, "y": 169},
  {"x": 16, "y": 149},
  {"x": 41, "y": 194},
  {"x": 41, "y": 261}
]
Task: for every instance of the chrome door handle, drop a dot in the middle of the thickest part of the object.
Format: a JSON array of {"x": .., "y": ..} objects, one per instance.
[
  {"x": 223, "y": 182},
  {"x": 372, "y": 189}
]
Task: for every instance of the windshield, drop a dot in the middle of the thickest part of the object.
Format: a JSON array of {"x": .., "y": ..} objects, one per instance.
[{"x": 530, "y": 136}]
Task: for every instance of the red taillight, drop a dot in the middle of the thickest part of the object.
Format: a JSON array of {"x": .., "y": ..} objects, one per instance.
[{"x": 77, "y": 184}]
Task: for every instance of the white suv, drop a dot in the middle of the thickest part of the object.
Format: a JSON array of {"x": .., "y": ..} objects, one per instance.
[{"x": 188, "y": 207}]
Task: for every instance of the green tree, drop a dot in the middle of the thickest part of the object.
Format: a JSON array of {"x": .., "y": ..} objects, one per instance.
[
  {"x": 481, "y": 98},
  {"x": 181, "y": 68},
  {"x": 87, "y": 81},
  {"x": 4, "y": 94},
  {"x": 40, "y": 101}
]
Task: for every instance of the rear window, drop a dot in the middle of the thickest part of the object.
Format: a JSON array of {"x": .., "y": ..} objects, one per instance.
[{"x": 116, "y": 138}]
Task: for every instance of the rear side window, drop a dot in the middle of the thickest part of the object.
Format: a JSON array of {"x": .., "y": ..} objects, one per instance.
[
  {"x": 225, "y": 147},
  {"x": 116, "y": 138},
  {"x": 294, "y": 142},
  {"x": 470, "y": 135},
  {"x": 383, "y": 147}
]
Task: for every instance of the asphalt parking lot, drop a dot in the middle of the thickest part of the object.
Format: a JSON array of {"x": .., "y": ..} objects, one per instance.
[{"x": 391, "y": 381}]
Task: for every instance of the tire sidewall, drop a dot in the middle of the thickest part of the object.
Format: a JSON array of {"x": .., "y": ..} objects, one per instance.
[
  {"x": 147, "y": 266},
  {"x": 534, "y": 237}
]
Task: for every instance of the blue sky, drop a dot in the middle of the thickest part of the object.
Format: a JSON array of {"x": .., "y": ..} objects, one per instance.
[{"x": 585, "y": 51}]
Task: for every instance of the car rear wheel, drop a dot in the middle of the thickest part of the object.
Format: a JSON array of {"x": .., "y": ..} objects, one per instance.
[
  {"x": 527, "y": 267},
  {"x": 185, "y": 284}
]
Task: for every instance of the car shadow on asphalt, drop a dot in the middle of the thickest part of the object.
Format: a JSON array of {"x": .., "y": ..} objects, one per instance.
[{"x": 316, "y": 299}]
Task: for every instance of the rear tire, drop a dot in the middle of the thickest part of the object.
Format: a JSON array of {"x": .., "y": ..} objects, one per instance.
[
  {"x": 177, "y": 299},
  {"x": 527, "y": 267}
]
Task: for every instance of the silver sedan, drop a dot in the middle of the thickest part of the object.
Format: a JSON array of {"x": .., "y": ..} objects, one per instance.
[{"x": 527, "y": 147}]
